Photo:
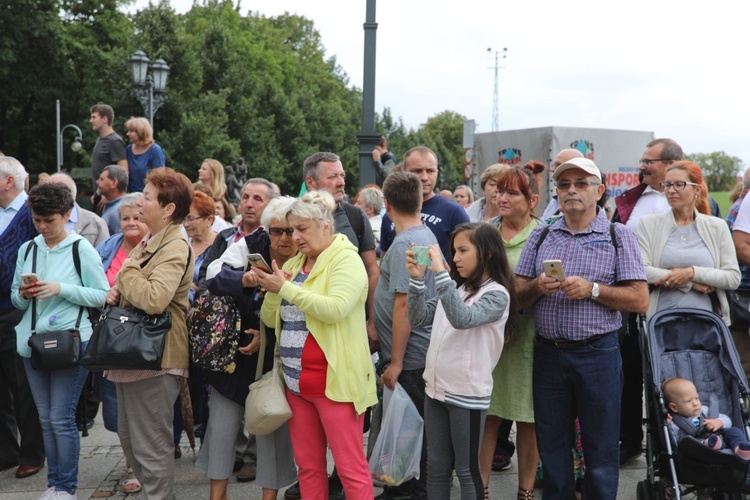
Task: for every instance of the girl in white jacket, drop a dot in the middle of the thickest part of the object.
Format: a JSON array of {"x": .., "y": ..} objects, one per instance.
[{"x": 469, "y": 317}]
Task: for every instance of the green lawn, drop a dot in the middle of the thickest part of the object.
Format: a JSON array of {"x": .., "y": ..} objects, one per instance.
[{"x": 722, "y": 198}]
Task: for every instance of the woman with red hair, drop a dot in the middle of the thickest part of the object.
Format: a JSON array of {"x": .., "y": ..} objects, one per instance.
[{"x": 688, "y": 254}]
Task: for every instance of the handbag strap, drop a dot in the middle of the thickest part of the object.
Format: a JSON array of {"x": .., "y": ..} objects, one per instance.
[
  {"x": 261, "y": 352},
  {"x": 33, "y": 301}
]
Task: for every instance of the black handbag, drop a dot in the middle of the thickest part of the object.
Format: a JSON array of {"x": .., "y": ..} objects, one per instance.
[
  {"x": 55, "y": 350},
  {"x": 739, "y": 301},
  {"x": 125, "y": 339}
]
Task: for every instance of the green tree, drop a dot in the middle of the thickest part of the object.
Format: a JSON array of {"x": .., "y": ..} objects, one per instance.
[
  {"x": 720, "y": 170},
  {"x": 446, "y": 131}
]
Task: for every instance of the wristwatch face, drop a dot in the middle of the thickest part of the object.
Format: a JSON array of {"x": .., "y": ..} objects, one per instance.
[{"x": 595, "y": 291}]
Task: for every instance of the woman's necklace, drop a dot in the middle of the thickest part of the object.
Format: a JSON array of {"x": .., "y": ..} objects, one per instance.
[{"x": 683, "y": 232}]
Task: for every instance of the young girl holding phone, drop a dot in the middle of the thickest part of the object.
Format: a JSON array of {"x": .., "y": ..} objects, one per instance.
[{"x": 470, "y": 318}]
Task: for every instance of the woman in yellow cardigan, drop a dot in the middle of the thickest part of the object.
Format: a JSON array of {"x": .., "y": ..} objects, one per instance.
[{"x": 317, "y": 305}]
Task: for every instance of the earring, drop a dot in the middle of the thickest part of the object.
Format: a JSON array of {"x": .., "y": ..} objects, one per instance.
[{"x": 163, "y": 219}]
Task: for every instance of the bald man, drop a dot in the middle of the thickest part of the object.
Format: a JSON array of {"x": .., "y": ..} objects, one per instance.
[{"x": 566, "y": 154}]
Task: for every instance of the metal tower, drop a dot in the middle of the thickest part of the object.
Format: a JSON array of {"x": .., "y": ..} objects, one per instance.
[{"x": 496, "y": 67}]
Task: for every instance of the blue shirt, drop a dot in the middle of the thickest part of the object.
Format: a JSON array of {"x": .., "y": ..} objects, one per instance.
[
  {"x": 440, "y": 214},
  {"x": 7, "y": 214},
  {"x": 139, "y": 165},
  {"x": 591, "y": 255}
]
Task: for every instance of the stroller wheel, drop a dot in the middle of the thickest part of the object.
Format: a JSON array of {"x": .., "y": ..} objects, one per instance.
[{"x": 645, "y": 491}]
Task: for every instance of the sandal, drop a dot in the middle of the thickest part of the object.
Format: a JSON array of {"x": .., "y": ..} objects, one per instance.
[
  {"x": 486, "y": 493},
  {"x": 525, "y": 494},
  {"x": 131, "y": 484}
]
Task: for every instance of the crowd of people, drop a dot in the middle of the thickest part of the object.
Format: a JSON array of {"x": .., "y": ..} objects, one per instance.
[{"x": 483, "y": 333}]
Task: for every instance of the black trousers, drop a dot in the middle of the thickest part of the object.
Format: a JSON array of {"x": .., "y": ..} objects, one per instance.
[
  {"x": 631, "y": 413},
  {"x": 18, "y": 413}
]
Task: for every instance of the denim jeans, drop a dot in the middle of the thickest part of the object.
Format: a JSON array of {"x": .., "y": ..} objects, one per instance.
[
  {"x": 108, "y": 395},
  {"x": 56, "y": 395},
  {"x": 584, "y": 382}
]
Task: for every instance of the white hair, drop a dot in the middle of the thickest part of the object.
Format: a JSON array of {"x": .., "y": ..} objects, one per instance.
[
  {"x": 316, "y": 206},
  {"x": 64, "y": 178},
  {"x": 9, "y": 166},
  {"x": 276, "y": 209}
]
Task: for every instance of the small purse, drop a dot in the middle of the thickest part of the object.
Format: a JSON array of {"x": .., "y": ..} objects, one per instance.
[
  {"x": 214, "y": 332},
  {"x": 55, "y": 350},
  {"x": 266, "y": 407},
  {"x": 125, "y": 339}
]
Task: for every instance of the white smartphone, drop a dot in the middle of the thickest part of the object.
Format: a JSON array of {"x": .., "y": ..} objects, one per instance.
[
  {"x": 554, "y": 269},
  {"x": 29, "y": 278},
  {"x": 257, "y": 260}
]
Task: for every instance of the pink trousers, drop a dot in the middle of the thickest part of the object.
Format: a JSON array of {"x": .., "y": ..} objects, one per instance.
[{"x": 318, "y": 421}]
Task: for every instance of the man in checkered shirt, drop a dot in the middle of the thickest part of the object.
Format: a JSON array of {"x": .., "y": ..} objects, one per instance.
[{"x": 577, "y": 364}]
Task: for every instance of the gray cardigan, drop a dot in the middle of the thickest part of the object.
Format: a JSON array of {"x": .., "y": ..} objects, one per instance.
[{"x": 653, "y": 231}]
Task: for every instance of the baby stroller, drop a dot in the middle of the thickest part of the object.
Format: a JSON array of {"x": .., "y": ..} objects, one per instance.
[{"x": 695, "y": 345}]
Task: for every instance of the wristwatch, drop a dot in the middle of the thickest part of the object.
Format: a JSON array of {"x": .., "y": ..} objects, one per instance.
[{"x": 595, "y": 291}]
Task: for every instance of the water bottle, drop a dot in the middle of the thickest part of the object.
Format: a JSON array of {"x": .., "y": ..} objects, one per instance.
[{"x": 52, "y": 319}]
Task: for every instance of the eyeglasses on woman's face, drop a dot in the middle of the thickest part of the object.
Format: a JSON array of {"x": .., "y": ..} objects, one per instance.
[
  {"x": 278, "y": 231},
  {"x": 190, "y": 219},
  {"x": 678, "y": 186}
]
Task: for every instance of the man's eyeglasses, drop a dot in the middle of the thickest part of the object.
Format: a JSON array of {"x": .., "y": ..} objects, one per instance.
[
  {"x": 679, "y": 185},
  {"x": 565, "y": 185},
  {"x": 646, "y": 161},
  {"x": 278, "y": 231}
]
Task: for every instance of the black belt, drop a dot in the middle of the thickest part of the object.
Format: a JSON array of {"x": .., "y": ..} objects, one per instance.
[{"x": 570, "y": 344}]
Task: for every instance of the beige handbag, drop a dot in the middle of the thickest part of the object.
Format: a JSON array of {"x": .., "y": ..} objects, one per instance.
[{"x": 266, "y": 408}]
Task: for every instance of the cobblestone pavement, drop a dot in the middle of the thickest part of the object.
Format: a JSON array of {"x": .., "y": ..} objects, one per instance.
[{"x": 102, "y": 468}]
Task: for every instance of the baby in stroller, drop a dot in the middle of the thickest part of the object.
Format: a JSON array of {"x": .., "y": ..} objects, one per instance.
[{"x": 689, "y": 418}]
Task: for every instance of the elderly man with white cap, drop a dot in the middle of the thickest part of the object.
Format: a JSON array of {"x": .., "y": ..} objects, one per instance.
[{"x": 577, "y": 365}]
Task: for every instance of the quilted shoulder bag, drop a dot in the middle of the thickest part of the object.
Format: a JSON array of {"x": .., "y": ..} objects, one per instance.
[{"x": 266, "y": 407}]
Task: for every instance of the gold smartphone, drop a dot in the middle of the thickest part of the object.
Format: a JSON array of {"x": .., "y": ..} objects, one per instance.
[{"x": 554, "y": 269}]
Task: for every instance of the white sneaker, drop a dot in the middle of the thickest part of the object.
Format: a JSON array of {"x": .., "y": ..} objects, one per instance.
[
  {"x": 47, "y": 494},
  {"x": 63, "y": 495}
]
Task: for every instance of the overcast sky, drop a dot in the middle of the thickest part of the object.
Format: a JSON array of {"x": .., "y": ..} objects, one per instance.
[{"x": 677, "y": 68}]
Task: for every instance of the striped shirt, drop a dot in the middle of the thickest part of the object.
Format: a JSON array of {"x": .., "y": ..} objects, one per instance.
[
  {"x": 294, "y": 333},
  {"x": 591, "y": 255}
]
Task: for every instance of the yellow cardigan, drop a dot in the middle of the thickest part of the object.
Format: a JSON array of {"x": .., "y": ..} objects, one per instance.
[{"x": 333, "y": 300}]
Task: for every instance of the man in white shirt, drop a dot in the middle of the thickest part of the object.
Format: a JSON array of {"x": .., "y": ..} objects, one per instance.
[{"x": 632, "y": 205}]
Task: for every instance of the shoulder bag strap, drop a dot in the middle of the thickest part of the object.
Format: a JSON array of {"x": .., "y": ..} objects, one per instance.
[
  {"x": 261, "y": 352},
  {"x": 33, "y": 301}
]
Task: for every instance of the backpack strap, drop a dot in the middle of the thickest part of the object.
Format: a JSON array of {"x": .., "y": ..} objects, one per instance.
[
  {"x": 76, "y": 262},
  {"x": 355, "y": 220}
]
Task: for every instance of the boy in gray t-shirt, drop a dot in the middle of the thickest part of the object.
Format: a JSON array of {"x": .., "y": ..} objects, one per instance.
[
  {"x": 393, "y": 282},
  {"x": 404, "y": 348}
]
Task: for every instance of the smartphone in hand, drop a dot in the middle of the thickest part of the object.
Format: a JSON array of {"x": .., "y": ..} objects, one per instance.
[
  {"x": 422, "y": 255},
  {"x": 29, "y": 278},
  {"x": 554, "y": 269},
  {"x": 257, "y": 260}
]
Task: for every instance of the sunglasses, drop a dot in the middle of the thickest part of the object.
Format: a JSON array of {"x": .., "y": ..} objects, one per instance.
[{"x": 278, "y": 231}]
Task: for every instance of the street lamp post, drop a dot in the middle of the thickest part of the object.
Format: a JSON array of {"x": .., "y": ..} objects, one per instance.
[
  {"x": 76, "y": 146},
  {"x": 149, "y": 87}
]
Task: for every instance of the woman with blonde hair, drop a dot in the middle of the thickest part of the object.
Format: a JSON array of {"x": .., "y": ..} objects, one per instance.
[
  {"x": 485, "y": 208},
  {"x": 143, "y": 153},
  {"x": 211, "y": 173},
  {"x": 316, "y": 304}
]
